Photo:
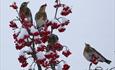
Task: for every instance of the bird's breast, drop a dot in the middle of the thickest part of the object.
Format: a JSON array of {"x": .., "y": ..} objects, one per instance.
[
  {"x": 40, "y": 22},
  {"x": 87, "y": 55}
]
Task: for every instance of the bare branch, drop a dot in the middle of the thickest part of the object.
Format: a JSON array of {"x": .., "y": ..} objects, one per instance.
[{"x": 90, "y": 66}]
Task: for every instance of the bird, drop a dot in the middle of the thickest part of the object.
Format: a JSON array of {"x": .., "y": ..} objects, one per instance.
[
  {"x": 52, "y": 39},
  {"x": 24, "y": 12},
  {"x": 41, "y": 16},
  {"x": 93, "y": 56}
]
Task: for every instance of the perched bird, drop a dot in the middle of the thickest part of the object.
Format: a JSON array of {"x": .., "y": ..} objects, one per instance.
[
  {"x": 52, "y": 39},
  {"x": 25, "y": 12},
  {"x": 41, "y": 16},
  {"x": 94, "y": 56}
]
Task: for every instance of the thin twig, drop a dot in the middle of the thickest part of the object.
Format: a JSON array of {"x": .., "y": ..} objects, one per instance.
[
  {"x": 61, "y": 61},
  {"x": 58, "y": 20},
  {"x": 90, "y": 66},
  {"x": 32, "y": 64},
  {"x": 56, "y": 13},
  {"x": 29, "y": 57},
  {"x": 38, "y": 65},
  {"x": 66, "y": 47},
  {"x": 18, "y": 16},
  {"x": 52, "y": 31},
  {"x": 112, "y": 68},
  {"x": 53, "y": 66},
  {"x": 15, "y": 20},
  {"x": 98, "y": 68}
]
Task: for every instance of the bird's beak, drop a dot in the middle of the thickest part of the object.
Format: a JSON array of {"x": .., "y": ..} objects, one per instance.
[{"x": 45, "y": 4}]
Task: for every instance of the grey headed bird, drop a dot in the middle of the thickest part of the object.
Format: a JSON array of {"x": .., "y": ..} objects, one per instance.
[
  {"x": 25, "y": 12},
  {"x": 41, "y": 16},
  {"x": 93, "y": 55}
]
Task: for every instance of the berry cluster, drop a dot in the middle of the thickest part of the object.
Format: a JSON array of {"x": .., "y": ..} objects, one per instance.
[{"x": 41, "y": 45}]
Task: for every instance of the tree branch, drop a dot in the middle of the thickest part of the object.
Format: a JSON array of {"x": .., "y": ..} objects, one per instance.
[
  {"x": 53, "y": 66},
  {"x": 56, "y": 13},
  {"x": 90, "y": 66},
  {"x": 38, "y": 65},
  {"x": 112, "y": 68},
  {"x": 18, "y": 16}
]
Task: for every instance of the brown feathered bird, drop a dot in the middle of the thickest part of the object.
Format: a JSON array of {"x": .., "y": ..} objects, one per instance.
[
  {"x": 41, "y": 16},
  {"x": 25, "y": 12},
  {"x": 94, "y": 56}
]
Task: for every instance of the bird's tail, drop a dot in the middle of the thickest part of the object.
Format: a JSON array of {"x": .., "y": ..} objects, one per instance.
[{"x": 107, "y": 61}]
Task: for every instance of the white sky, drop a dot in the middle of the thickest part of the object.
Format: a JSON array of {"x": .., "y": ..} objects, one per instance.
[{"x": 92, "y": 21}]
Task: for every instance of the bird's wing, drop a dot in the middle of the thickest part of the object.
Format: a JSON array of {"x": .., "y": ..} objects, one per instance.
[
  {"x": 45, "y": 16},
  {"x": 38, "y": 15},
  {"x": 91, "y": 49},
  {"x": 39, "y": 19},
  {"x": 101, "y": 57},
  {"x": 28, "y": 14},
  {"x": 22, "y": 12}
]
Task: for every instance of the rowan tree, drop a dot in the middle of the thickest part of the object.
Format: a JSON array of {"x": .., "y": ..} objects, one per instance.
[{"x": 42, "y": 46}]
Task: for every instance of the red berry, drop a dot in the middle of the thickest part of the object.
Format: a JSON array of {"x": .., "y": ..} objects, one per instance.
[
  {"x": 65, "y": 67},
  {"x": 22, "y": 59},
  {"x": 66, "y": 53},
  {"x": 24, "y": 64},
  {"x": 36, "y": 33},
  {"x": 13, "y": 24},
  {"x": 61, "y": 29},
  {"x": 14, "y": 6}
]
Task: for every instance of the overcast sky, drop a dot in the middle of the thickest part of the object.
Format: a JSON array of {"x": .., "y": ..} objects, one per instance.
[{"x": 92, "y": 21}]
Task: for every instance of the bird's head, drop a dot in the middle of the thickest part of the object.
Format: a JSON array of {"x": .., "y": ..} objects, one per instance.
[
  {"x": 24, "y": 4},
  {"x": 87, "y": 45},
  {"x": 43, "y": 7}
]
